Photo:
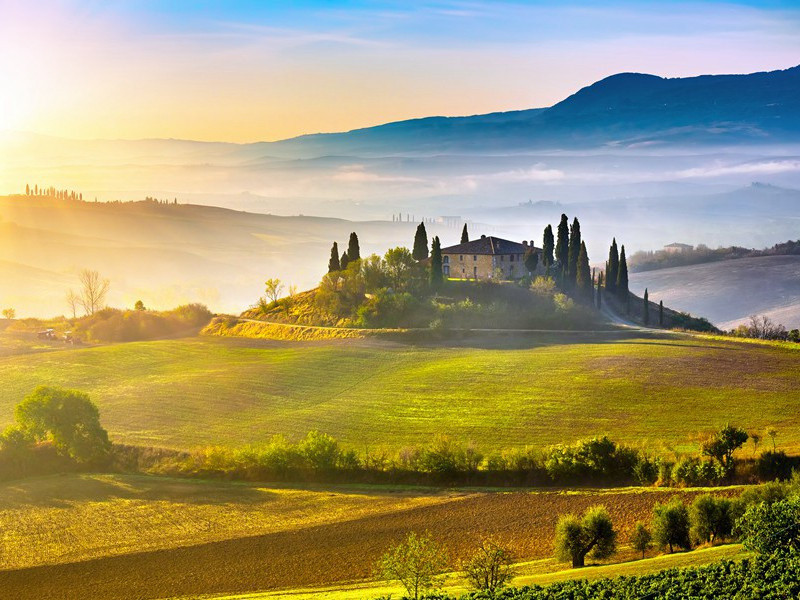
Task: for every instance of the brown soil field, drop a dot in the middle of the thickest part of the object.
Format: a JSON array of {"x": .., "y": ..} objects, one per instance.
[{"x": 329, "y": 553}]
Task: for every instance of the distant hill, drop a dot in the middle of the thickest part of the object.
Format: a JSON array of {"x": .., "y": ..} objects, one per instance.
[{"x": 728, "y": 292}]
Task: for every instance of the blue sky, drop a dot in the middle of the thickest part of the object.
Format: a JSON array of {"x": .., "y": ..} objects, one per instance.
[{"x": 265, "y": 70}]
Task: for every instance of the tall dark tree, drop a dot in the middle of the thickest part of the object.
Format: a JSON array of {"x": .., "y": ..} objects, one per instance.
[
  {"x": 548, "y": 246},
  {"x": 437, "y": 276},
  {"x": 661, "y": 313},
  {"x": 464, "y": 235},
  {"x": 574, "y": 251},
  {"x": 562, "y": 244},
  {"x": 27, "y": 189},
  {"x": 420, "y": 251},
  {"x": 622, "y": 275},
  {"x": 612, "y": 267},
  {"x": 599, "y": 296},
  {"x": 531, "y": 260},
  {"x": 646, "y": 308},
  {"x": 353, "y": 249},
  {"x": 333, "y": 262},
  {"x": 583, "y": 279},
  {"x": 344, "y": 261}
]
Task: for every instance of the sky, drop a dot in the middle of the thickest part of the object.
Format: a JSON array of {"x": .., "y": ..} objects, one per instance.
[{"x": 253, "y": 71}]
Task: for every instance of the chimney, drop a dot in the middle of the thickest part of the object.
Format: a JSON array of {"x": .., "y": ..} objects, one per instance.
[
  {"x": 524, "y": 243},
  {"x": 483, "y": 237}
]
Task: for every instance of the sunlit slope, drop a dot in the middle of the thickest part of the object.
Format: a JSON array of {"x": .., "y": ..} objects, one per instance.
[
  {"x": 728, "y": 292},
  {"x": 536, "y": 391}
]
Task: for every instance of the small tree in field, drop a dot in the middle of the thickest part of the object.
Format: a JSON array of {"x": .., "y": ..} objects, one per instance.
[
  {"x": 594, "y": 533},
  {"x": 641, "y": 538},
  {"x": 94, "y": 290},
  {"x": 274, "y": 289},
  {"x": 73, "y": 301},
  {"x": 490, "y": 569},
  {"x": 671, "y": 525},
  {"x": 723, "y": 444},
  {"x": 139, "y": 306},
  {"x": 9, "y": 313},
  {"x": 417, "y": 563}
]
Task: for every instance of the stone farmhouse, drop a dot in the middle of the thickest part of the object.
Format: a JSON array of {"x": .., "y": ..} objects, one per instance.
[{"x": 486, "y": 258}]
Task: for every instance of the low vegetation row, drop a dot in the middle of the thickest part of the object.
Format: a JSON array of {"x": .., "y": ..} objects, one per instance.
[
  {"x": 59, "y": 429},
  {"x": 766, "y": 520}
]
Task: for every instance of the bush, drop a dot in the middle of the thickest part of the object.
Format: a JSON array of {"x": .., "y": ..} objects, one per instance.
[
  {"x": 490, "y": 568},
  {"x": 711, "y": 519},
  {"x": 772, "y": 528},
  {"x": 773, "y": 465},
  {"x": 671, "y": 525},
  {"x": 113, "y": 325},
  {"x": 417, "y": 563},
  {"x": 596, "y": 458}
]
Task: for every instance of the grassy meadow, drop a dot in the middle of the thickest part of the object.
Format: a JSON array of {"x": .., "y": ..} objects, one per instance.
[
  {"x": 500, "y": 391},
  {"x": 73, "y": 536}
]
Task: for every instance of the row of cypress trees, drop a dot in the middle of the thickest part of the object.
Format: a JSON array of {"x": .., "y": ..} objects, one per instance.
[
  {"x": 353, "y": 253},
  {"x": 616, "y": 278},
  {"x": 569, "y": 251}
]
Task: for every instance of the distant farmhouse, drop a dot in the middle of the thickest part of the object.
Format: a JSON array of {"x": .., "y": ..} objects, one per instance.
[
  {"x": 676, "y": 248},
  {"x": 486, "y": 258}
]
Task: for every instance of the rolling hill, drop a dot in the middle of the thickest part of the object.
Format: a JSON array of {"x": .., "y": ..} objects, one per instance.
[{"x": 728, "y": 292}]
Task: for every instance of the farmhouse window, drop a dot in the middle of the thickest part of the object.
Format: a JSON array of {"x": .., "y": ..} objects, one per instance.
[
  {"x": 511, "y": 258},
  {"x": 474, "y": 271},
  {"x": 474, "y": 257},
  {"x": 447, "y": 270},
  {"x": 446, "y": 260},
  {"x": 460, "y": 257}
]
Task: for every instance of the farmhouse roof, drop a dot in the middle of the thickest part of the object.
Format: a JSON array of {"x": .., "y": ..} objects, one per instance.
[{"x": 487, "y": 245}]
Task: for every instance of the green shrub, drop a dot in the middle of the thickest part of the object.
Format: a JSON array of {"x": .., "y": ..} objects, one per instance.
[{"x": 671, "y": 525}]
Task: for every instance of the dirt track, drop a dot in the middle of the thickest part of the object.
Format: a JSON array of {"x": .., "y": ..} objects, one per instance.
[{"x": 324, "y": 554}]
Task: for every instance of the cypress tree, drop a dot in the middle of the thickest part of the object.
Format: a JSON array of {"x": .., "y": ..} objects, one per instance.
[
  {"x": 612, "y": 267},
  {"x": 562, "y": 244},
  {"x": 646, "y": 307},
  {"x": 531, "y": 260},
  {"x": 464, "y": 235},
  {"x": 333, "y": 262},
  {"x": 600, "y": 290},
  {"x": 353, "y": 250},
  {"x": 574, "y": 251},
  {"x": 583, "y": 278},
  {"x": 622, "y": 275},
  {"x": 344, "y": 261},
  {"x": 436, "y": 264},
  {"x": 548, "y": 245},
  {"x": 420, "y": 251},
  {"x": 661, "y": 313}
]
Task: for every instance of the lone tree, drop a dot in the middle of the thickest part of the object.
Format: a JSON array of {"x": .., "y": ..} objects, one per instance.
[
  {"x": 73, "y": 301},
  {"x": 574, "y": 251},
  {"x": 420, "y": 251},
  {"x": 333, "y": 261},
  {"x": 437, "y": 277},
  {"x": 9, "y": 313},
  {"x": 583, "y": 281},
  {"x": 722, "y": 444},
  {"x": 489, "y": 570},
  {"x": 274, "y": 289},
  {"x": 600, "y": 284},
  {"x": 671, "y": 525},
  {"x": 464, "y": 235},
  {"x": 594, "y": 533},
  {"x": 646, "y": 308},
  {"x": 139, "y": 306},
  {"x": 67, "y": 418},
  {"x": 417, "y": 563},
  {"x": 641, "y": 538},
  {"x": 548, "y": 247},
  {"x": 622, "y": 276},
  {"x": 531, "y": 260},
  {"x": 562, "y": 245},
  {"x": 344, "y": 261},
  {"x": 353, "y": 249},
  {"x": 612, "y": 267},
  {"x": 660, "y": 313},
  {"x": 94, "y": 290}
]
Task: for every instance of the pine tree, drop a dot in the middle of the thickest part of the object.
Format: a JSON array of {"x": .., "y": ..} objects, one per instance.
[
  {"x": 583, "y": 277},
  {"x": 436, "y": 264},
  {"x": 464, "y": 235},
  {"x": 562, "y": 245},
  {"x": 420, "y": 251},
  {"x": 646, "y": 307},
  {"x": 622, "y": 276},
  {"x": 661, "y": 313},
  {"x": 612, "y": 267},
  {"x": 333, "y": 262},
  {"x": 574, "y": 251},
  {"x": 344, "y": 261},
  {"x": 548, "y": 245},
  {"x": 353, "y": 250}
]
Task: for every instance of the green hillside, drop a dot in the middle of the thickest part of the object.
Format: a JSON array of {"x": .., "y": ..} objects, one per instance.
[{"x": 498, "y": 391}]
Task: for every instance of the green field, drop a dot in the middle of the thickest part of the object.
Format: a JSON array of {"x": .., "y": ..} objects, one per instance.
[{"x": 498, "y": 391}]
